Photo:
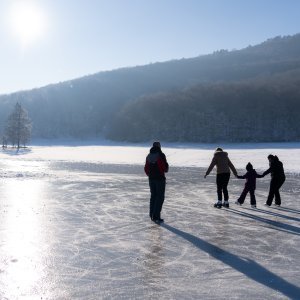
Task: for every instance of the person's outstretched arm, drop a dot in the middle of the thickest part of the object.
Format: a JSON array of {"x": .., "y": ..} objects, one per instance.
[
  {"x": 211, "y": 166},
  {"x": 231, "y": 166},
  {"x": 260, "y": 176},
  {"x": 267, "y": 172},
  {"x": 241, "y": 177}
]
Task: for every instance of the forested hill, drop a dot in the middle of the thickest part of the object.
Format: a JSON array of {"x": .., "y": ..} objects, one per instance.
[
  {"x": 258, "y": 110},
  {"x": 206, "y": 98}
]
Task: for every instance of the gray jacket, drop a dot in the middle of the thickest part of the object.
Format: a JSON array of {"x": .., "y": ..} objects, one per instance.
[{"x": 223, "y": 163}]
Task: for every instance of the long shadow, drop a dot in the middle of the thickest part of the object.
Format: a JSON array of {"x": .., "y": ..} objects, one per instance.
[
  {"x": 278, "y": 225},
  {"x": 287, "y": 209},
  {"x": 273, "y": 214},
  {"x": 248, "y": 267}
]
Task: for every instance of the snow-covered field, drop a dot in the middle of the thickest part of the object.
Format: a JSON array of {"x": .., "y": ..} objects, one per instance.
[
  {"x": 74, "y": 225},
  {"x": 180, "y": 155}
]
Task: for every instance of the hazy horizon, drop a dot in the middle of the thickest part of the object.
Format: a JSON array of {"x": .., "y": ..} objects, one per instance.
[
  {"x": 52, "y": 41},
  {"x": 125, "y": 67}
]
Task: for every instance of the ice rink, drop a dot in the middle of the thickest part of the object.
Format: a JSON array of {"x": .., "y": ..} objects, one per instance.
[{"x": 79, "y": 229}]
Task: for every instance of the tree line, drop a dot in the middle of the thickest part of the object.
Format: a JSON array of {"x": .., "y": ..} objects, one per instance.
[{"x": 259, "y": 110}]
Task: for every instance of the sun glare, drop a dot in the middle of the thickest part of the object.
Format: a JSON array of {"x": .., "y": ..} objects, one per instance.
[{"x": 27, "y": 22}]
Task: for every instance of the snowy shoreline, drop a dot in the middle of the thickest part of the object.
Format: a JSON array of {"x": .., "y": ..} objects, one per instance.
[{"x": 179, "y": 155}]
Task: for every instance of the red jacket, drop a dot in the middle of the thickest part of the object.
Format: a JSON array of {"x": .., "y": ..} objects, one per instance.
[{"x": 156, "y": 164}]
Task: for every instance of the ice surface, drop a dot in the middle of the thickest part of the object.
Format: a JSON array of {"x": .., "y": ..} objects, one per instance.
[{"x": 74, "y": 225}]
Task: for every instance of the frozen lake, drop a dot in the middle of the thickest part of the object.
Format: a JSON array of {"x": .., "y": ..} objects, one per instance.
[{"x": 75, "y": 225}]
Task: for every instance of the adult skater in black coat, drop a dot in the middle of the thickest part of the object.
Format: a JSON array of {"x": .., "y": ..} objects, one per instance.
[{"x": 277, "y": 179}]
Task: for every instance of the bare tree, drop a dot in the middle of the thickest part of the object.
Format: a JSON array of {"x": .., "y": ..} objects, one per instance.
[{"x": 18, "y": 127}]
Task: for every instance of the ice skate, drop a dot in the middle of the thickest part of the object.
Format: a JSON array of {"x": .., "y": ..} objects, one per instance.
[
  {"x": 158, "y": 221},
  {"x": 226, "y": 204},
  {"x": 218, "y": 204}
]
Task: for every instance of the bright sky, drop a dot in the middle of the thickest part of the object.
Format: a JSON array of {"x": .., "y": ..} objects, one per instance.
[{"x": 47, "y": 41}]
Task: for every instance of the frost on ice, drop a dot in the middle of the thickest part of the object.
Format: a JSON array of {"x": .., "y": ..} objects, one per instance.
[{"x": 74, "y": 225}]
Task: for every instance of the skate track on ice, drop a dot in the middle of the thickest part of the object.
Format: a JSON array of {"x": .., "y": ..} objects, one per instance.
[{"x": 80, "y": 230}]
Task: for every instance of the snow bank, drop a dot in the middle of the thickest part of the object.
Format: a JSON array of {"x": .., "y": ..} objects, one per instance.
[{"x": 181, "y": 155}]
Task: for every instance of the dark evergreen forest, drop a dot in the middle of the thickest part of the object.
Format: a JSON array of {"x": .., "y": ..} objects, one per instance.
[
  {"x": 246, "y": 95},
  {"x": 251, "y": 111}
]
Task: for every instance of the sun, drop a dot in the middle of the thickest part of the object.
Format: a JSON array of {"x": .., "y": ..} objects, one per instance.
[{"x": 27, "y": 22}]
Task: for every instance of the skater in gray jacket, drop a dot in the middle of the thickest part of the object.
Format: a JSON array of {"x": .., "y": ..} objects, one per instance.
[{"x": 224, "y": 165}]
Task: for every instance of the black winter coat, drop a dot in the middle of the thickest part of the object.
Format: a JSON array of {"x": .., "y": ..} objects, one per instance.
[
  {"x": 250, "y": 177},
  {"x": 276, "y": 170},
  {"x": 156, "y": 164}
]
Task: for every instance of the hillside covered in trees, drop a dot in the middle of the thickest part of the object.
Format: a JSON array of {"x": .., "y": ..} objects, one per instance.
[
  {"x": 245, "y": 95},
  {"x": 260, "y": 110}
]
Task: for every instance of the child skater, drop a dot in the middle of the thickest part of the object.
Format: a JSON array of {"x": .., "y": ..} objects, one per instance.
[{"x": 250, "y": 185}]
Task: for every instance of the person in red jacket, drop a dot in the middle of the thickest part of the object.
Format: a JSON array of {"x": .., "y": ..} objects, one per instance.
[{"x": 155, "y": 167}]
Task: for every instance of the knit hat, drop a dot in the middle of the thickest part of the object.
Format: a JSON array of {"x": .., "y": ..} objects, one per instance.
[
  {"x": 156, "y": 144},
  {"x": 249, "y": 167}
]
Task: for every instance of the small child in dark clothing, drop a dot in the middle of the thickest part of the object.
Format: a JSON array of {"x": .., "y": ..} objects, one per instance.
[{"x": 250, "y": 185}]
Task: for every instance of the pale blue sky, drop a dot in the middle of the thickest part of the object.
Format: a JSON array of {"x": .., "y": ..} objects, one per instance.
[{"x": 87, "y": 36}]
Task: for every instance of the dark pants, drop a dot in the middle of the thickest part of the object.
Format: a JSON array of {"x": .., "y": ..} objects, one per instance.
[
  {"x": 275, "y": 185},
  {"x": 157, "y": 190},
  {"x": 222, "y": 182},
  {"x": 244, "y": 194}
]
